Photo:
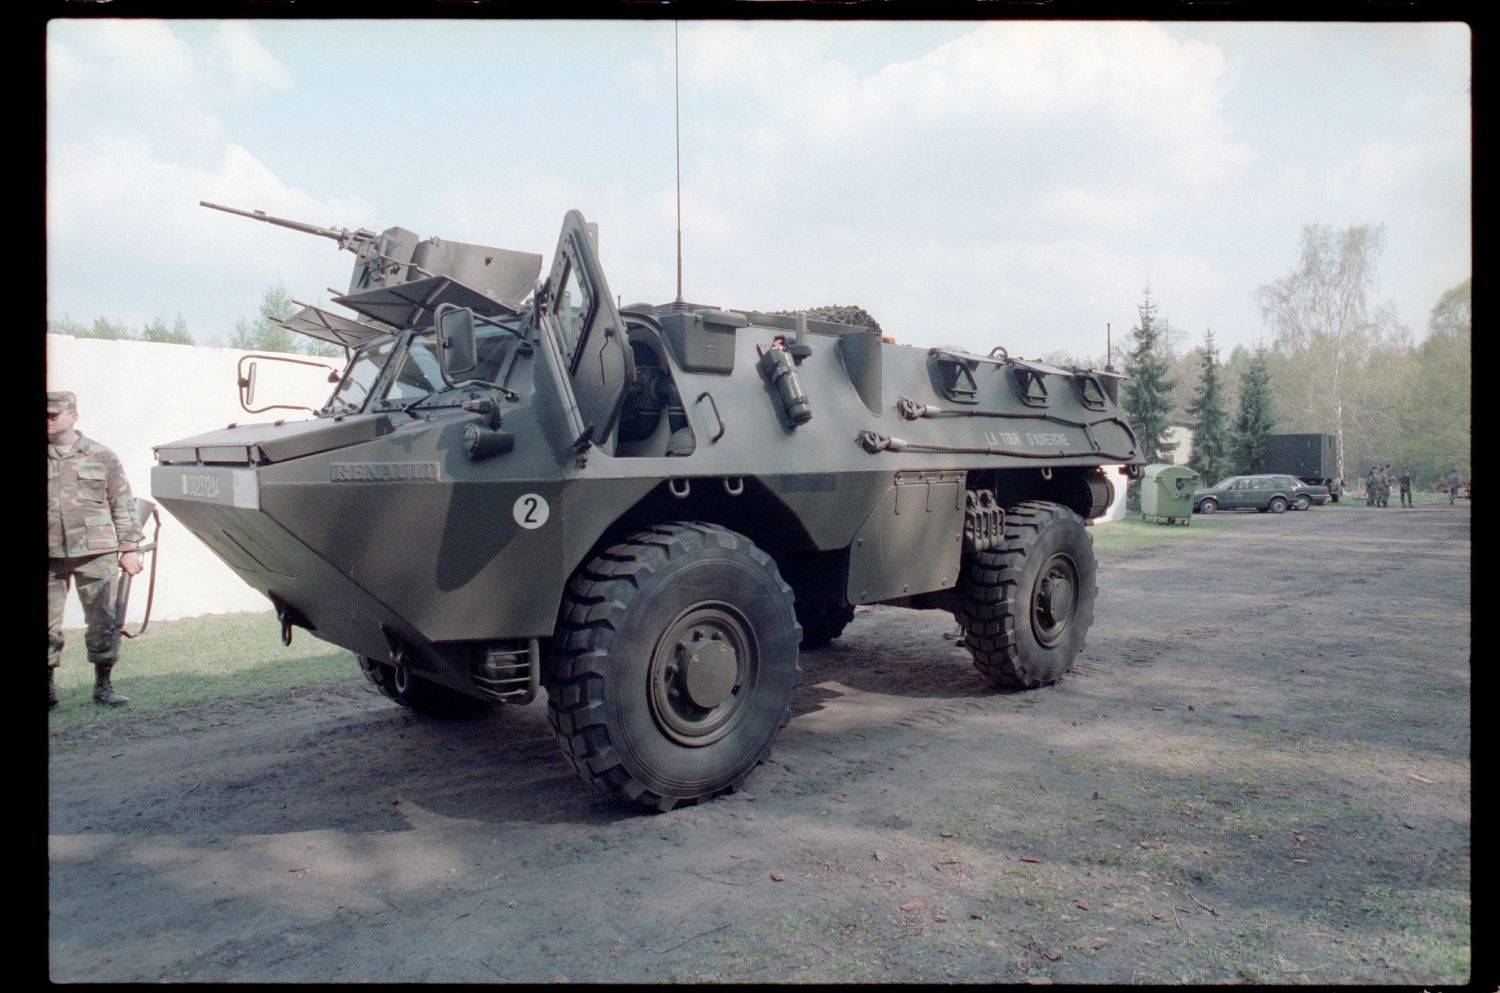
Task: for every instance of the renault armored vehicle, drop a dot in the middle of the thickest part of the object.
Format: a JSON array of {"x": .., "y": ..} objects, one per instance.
[{"x": 647, "y": 510}]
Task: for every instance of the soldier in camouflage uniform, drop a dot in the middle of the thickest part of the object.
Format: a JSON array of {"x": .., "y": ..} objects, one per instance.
[{"x": 91, "y": 535}]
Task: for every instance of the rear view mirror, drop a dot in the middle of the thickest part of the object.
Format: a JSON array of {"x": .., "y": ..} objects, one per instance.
[
  {"x": 287, "y": 382},
  {"x": 247, "y": 386},
  {"x": 456, "y": 344}
]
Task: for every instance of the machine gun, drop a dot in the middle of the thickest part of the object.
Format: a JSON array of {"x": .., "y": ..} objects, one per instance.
[
  {"x": 397, "y": 256},
  {"x": 349, "y": 240},
  {"x": 381, "y": 259}
]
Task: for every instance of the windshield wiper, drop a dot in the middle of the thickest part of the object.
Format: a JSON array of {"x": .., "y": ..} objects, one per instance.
[
  {"x": 338, "y": 405},
  {"x": 508, "y": 393}
]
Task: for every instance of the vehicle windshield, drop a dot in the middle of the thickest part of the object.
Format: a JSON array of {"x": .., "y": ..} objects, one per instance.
[
  {"x": 354, "y": 388},
  {"x": 417, "y": 376}
]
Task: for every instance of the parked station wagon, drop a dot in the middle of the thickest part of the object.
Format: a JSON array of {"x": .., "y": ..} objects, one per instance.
[
  {"x": 1275, "y": 494},
  {"x": 1307, "y": 494}
]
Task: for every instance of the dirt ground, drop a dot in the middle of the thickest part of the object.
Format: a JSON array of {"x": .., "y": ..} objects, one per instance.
[{"x": 1258, "y": 771}]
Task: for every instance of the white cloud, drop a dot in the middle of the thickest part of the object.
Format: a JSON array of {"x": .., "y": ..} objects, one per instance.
[
  {"x": 1135, "y": 76},
  {"x": 144, "y": 54},
  {"x": 1114, "y": 207},
  {"x": 116, "y": 201},
  {"x": 237, "y": 51},
  {"x": 1104, "y": 124},
  {"x": 66, "y": 71}
]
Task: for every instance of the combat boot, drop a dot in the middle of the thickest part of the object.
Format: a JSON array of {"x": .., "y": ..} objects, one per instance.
[
  {"x": 103, "y": 692},
  {"x": 51, "y": 687}
]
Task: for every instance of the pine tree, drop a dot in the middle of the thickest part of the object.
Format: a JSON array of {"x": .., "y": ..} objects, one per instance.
[
  {"x": 265, "y": 333},
  {"x": 1210, "y": 420},
  {"x": 1147, "y": 399},
  {"x": 1255, "y": 419}
]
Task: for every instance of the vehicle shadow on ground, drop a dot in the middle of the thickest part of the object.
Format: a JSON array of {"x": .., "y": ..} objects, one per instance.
[{"x": 893, "y": 652}]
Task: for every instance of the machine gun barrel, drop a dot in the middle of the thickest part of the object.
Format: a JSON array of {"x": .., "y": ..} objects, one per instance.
[{"x": 346, "y": 238}]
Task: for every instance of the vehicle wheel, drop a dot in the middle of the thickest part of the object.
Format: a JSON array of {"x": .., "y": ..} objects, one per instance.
[
  {"x": 822, "y": 621},
  {"x": 1303, "y": 502},
  {"x": 1277, "y": 505},
  {"x": 418, "y": 694},
  {"x": 673, "y": 664},
  {"x": 1208, "y": 506},
  {"x": 1028, "y": 604}
]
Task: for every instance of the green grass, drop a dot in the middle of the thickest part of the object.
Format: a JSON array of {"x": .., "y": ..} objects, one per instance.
[
  {"x": 1428, "y": 931},
  {"x": 1134, "y": 533},
  {"x": 197, "y": 660}
]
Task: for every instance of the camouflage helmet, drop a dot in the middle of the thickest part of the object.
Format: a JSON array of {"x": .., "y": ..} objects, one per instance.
[{"x": 59, "y": 401}]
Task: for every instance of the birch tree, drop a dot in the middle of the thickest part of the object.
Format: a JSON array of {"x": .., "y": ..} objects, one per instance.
[{"x": 1319, "y": 315}]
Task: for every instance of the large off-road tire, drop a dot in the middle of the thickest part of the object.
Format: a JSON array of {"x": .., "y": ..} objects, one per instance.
[
  {"x": 822, "y": 621},
  {"x": 1028, "y": 604},
  {"x": 673, "y": 664},
  {"x": 421, "y": 695}
]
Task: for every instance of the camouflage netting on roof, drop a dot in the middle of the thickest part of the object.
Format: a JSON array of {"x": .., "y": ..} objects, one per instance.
[{"x": 851, "y": 314}]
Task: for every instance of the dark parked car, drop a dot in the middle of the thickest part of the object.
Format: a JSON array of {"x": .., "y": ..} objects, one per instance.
[
  {"x": 1276, "y": 494},
  {"x": 1306, "y": 494}
]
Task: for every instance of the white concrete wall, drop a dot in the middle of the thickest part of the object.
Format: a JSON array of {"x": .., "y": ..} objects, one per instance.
[{"x": 136, "y": 394}]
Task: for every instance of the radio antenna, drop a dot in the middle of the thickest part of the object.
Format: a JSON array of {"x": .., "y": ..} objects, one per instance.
[{"x": 677, "y": 137}]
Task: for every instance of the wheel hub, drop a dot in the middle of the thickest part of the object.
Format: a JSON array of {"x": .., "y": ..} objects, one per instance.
[
  {"x": 1056, "y": 600},
  {"x": 701, "y": 665},
  {"x": 708, "y": 670}
]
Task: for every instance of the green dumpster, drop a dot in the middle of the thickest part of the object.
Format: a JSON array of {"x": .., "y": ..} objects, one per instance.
[{"x": 1167, "y": 493}]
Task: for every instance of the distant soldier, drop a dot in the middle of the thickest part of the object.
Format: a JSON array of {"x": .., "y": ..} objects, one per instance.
[
  {"x": 1454, "y": 482},
  {"x": 1404, "y": 481},
  {"x": 1370, "y": 486},
  {"x": 1385, "y": 485},
  {"x": 91, "y": 535}
]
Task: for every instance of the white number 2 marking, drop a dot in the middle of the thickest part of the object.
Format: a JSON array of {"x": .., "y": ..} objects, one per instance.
[{"x": 530, "y": 511}]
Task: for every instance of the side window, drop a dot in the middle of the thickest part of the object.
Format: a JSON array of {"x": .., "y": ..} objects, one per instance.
[
  {"x": 360, "y": 376},
  {"x": 493, "y": 349},
  {"x": 1091, "y": 393},
  {"x": 574, "y": 308},
  {"x": 418, "y": 375}
]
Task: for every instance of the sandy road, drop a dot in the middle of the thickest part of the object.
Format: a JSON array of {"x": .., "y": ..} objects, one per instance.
[{"x": 1257, "y": 771}]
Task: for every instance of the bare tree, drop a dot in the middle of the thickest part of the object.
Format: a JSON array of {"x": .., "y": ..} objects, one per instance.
[{"x": 1320, "y": 312}]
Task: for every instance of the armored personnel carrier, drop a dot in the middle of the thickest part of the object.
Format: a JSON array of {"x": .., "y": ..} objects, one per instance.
[{"x": 647, "y": 510}]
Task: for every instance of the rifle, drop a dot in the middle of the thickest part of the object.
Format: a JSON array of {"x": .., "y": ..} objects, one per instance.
[{"x": 144, "y": 510}]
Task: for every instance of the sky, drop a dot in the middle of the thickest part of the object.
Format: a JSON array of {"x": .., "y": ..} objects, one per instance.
[{"x": 969, "y": 183}]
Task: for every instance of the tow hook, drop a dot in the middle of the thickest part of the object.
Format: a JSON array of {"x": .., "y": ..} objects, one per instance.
[{"x": 401, "y": 677}]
